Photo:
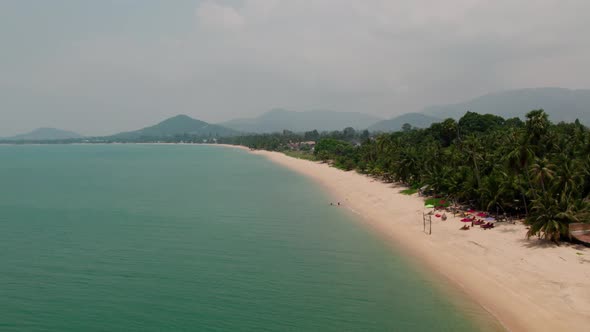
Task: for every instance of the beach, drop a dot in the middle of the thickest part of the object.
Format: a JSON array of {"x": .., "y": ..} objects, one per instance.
[{"x": 528, "y": 285}]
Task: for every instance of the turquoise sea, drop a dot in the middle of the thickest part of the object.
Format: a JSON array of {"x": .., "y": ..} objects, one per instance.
[{"x": 196, "y": 238}]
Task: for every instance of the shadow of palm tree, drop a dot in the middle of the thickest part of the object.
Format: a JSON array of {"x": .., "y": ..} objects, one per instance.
[
  {"x": 537, "y": 243},
  {"x": 505, "y": 229},
  {"x": 541, "y": 243}
]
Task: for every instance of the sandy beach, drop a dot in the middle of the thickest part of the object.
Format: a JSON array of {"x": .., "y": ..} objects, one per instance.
[{"x": 528, "y": 285}]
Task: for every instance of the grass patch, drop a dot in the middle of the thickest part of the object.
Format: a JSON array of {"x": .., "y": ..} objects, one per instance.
[
  {"x": 437, "y": 202},
  {"x": 300, "y": 155},
  {"x": 410, "y": 191}
]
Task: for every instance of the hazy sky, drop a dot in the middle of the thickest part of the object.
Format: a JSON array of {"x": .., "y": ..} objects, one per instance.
[{"x": 99, "y": 67}]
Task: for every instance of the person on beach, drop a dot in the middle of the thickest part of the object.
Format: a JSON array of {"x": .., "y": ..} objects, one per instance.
[
  {"x": 338, "y": 203},
  {"x": 444, "y": 216}
]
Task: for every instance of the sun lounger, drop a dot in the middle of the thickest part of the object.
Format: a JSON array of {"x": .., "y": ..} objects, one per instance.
[{"x": 487, "y": 226}]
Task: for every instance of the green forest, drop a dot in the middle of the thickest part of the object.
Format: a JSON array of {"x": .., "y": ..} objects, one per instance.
[{"x": 531, "y": 167}]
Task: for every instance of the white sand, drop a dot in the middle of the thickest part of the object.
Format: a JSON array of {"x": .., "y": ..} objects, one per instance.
[{"x": 528, "y": 285}]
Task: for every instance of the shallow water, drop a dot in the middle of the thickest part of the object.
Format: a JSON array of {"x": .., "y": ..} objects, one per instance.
[{"x": 153, "y": 238}]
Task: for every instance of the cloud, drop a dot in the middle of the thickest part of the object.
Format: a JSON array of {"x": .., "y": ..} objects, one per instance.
[
  {"x": 211, "y": 14},
  {"x": 230, "y": 58}
]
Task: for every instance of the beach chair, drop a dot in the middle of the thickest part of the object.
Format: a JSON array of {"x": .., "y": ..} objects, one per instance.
[{"x": 487, "y": 226}]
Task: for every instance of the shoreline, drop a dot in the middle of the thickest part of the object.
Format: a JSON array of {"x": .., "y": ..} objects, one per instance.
[{"x": 526, "y": 285}]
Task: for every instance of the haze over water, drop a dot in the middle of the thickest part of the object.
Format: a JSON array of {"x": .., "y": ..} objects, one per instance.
[{"x": 153, "y": 238}]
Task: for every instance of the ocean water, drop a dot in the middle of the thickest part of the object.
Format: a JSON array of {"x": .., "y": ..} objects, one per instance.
[{"x": 194, "y": 238}]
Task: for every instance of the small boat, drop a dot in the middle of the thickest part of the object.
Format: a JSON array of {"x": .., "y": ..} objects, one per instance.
[{"x": 580, "y": 232}]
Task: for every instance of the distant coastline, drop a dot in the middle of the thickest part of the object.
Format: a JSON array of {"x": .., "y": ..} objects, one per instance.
[{"x": 547, "y": 291}]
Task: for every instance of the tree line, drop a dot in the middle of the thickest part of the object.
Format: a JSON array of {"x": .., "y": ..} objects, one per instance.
[{"x": 281, "y": 141}]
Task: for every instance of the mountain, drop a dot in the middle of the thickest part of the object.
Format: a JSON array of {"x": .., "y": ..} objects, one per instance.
[
  {"x": 278, "y": 120},
  {"x": 395, "y": 124},
  {"x": 42, "y": 134},
  {"x": 561, "y": 104},
  {"x": 178, "y": 125}
]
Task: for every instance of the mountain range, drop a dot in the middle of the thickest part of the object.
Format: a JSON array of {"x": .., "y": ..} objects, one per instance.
[
  {"x": 561, "y": 105},
  {"x": 42, "y": 134},
  {"x": 417, "y": 120},
  {"x": 278, "y": 120},
  {"x": 178, "y": 125}
]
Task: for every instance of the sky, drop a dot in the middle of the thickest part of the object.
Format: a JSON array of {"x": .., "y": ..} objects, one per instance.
[{"x": 100, "y": 67}]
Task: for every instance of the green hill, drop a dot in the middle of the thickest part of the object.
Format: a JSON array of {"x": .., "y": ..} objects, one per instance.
[
  {"x": 395, "y": 124},
  {"x": 278, "y": 120},
  {"x": 43, "y": 134},
  {"x": 178, "y": 125},
  {"x": 561, "y": 104}
]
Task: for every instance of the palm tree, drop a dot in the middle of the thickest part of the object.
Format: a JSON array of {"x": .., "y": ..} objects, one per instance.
[
  {"x": 473, "y": 148},
  {"x": 542, "y": 171},
  {"x": 537, "y": 125},
  {"x": 517, "y": 160},
  {"x": 551, "y": 215}
]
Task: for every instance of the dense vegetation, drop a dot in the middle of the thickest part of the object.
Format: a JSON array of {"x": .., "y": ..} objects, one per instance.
[
  {"x": 283, "y": 141},
  {"x": 495, "y": 164}
]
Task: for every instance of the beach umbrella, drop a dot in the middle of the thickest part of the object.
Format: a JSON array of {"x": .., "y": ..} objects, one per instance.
[
  {"x": 429, "y": 206},
  {"x": 481, "y": 214},
  {"x": 490, "y": 219},
  {"x": 466, "y": 220}
]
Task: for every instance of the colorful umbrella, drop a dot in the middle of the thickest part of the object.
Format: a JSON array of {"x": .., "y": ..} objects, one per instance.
[
  {"x": 490, "y": 219},
  {"x": 466, "y": 220},
  {"x": 429, "y": 206}
]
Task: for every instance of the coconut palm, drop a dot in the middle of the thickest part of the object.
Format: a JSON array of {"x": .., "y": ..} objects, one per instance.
[
  {"x": 551, "y": 215},
  {"x": 542, "y": 171}
]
